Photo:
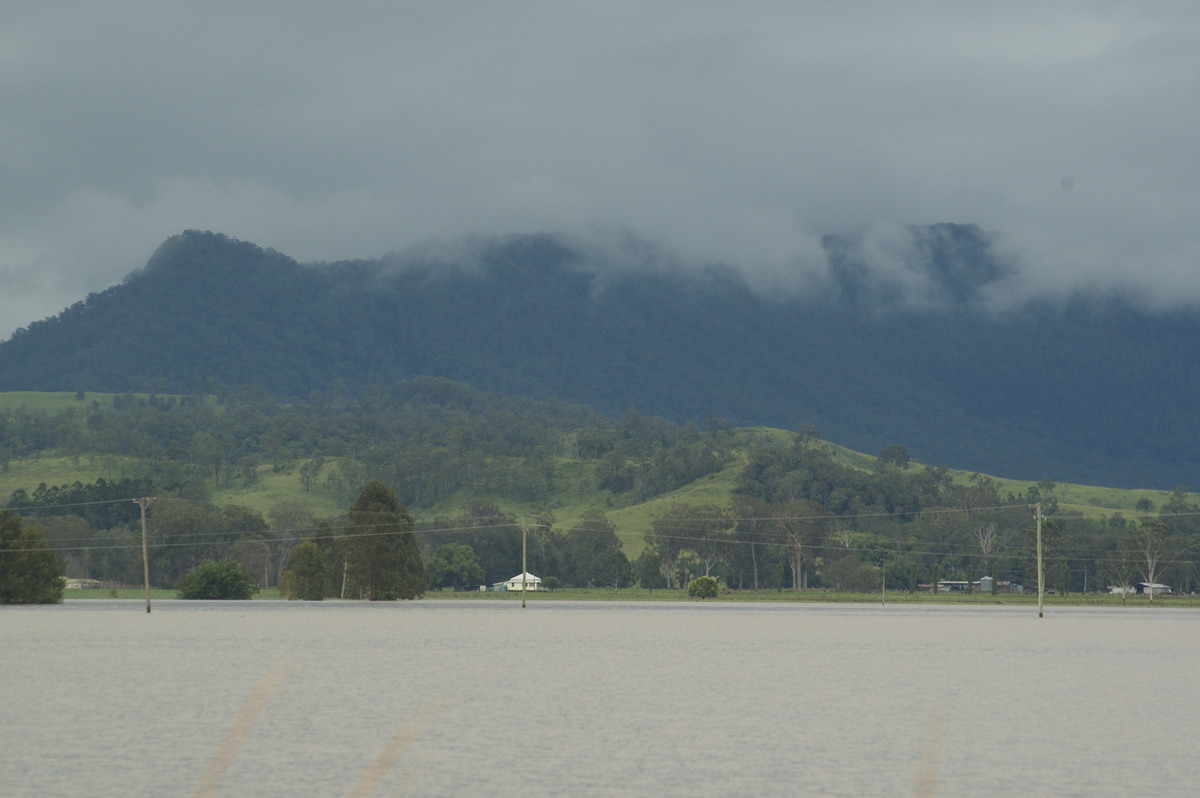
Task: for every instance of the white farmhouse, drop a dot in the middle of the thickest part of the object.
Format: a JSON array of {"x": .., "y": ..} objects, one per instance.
[{"x": 531, "y": 582}]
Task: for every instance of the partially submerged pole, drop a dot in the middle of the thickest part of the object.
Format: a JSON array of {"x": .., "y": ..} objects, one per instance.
[
  {"x": 524, "y": 564},
  {"x": 145, "y": 550},
  {"x": 1041, "y": 571}
]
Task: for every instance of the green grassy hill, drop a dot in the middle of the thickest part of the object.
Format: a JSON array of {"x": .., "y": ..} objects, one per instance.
[
  {"x": 573, "y": 496},
  {"x": 45, "y": 401},
  {"x": 57, "y": 401}
]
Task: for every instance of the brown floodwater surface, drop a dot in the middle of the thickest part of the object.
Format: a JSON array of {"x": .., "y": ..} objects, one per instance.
[{"x": 433, "y": 698}]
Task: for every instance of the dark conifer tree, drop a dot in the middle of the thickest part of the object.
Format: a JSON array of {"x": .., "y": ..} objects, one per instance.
[{"x": 383, "y": 561}]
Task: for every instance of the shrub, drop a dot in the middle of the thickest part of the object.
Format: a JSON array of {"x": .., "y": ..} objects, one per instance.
[
  {"x": 213, "y": 579},
  {"x": 703, "y": 587}
]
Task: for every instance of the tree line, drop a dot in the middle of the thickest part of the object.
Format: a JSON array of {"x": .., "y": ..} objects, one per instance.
[
  {"x": 803, "y": 519},
  {"x": 799, "y": 518},
  {"x": 425, "y": 439},
  {"x": 925, "y": 529}
]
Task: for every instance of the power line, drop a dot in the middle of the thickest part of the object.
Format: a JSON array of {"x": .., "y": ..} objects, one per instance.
[{"x": 684, "y": 533}]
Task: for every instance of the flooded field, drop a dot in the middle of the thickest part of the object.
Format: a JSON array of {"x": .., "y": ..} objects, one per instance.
[{"x": 455, "y": 698}]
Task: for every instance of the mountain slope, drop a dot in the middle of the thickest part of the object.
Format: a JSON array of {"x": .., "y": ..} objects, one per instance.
[{"x": 1082, "y": 390}]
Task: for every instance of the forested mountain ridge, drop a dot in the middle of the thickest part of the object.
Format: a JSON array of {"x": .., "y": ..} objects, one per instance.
[{"x": 1092, "y": 390}]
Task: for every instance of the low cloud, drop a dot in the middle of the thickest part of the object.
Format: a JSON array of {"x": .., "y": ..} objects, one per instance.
[{"x": 735, "y": 134}]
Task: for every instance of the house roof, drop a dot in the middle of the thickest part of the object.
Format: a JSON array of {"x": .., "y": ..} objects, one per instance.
[{"x": 528, "y": 578}]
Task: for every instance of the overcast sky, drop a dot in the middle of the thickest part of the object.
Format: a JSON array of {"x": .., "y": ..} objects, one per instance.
[{"x": 734, "y": 131}]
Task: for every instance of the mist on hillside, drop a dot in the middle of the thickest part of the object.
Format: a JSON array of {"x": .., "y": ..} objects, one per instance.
[{"x": 720, "y": 136}]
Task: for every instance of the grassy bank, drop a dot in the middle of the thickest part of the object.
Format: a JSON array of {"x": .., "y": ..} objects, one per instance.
[
  {"x": 823, "y": 597},
  {"x": 137, "y": 593},
  {"x": 729, "y": 596}
]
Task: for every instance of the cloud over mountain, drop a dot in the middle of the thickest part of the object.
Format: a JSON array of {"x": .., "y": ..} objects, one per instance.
[{"x": 738, "y": 134}]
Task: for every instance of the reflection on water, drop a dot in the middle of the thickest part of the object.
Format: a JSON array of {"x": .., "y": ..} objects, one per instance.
[{"x": 454, "y": 698}]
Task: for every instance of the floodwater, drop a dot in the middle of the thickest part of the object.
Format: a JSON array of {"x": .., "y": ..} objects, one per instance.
[{"x": 453, "y": 698}]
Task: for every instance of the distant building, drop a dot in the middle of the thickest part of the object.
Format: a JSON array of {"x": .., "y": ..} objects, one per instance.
[
  {"x": 960, "y": 586},
  {"x": 531, "y": 583}
]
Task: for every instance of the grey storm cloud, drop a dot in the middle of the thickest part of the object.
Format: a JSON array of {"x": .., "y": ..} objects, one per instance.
[{"x": 734, "y": 132}]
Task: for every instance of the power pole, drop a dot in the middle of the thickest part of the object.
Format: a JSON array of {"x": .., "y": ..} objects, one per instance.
[
  {"x": 145, "y": 549},
  {"x": 524, "y": 565},
  {"x": 1041, "y": 571}
]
